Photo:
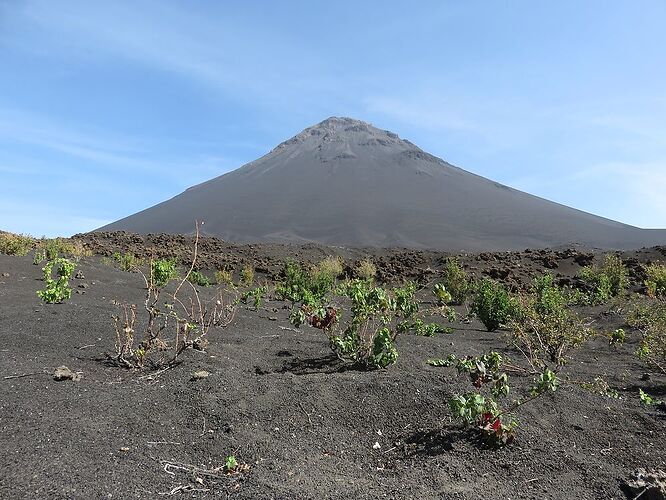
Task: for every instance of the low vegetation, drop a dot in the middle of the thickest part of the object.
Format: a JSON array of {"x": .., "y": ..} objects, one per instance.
[
  {"x": 247, "y": 275},
  {"x": 649, "y": 317},
  {"x": 493, "y": 305},
  {"x": 481, "y": 408},
  {"x": 172, "y": 322},
  {"x": 199, "y": 278},
  {"x": 361, "y": 318},
  {"x": 16, "y": 244},
  {"x": 57, "y": 290},
  {"x": 456, "y": 282},
  {"x": 255, "y": 296},
  {"x": 369, "y": 337},
  {"x": 608, "y": 280},
  {"x": 224, "y": 277},
  {"x": 365, "y": 270},
  {"x": 545, "y": 330},
  {"x": 126, "y": 261},
  {"x": 656, "y": 280}
]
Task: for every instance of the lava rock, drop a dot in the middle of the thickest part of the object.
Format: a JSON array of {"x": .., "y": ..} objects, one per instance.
[
  {"x": 648, "y": 485},
  {"x": 64, "y": 373}
]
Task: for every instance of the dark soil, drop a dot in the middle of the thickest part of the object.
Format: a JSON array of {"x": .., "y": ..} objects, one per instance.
[{"x": 277, "y": 399}]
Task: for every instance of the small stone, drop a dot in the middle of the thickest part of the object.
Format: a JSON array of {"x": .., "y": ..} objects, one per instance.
[
  {"x": 83, "y": 285},
  {"x": 79, "y": 275},
  {"x": 376, "y": 446},
  {"x": 124, "y": 448},
  {"x": 201, "y": 374},
  {"x": 64, "y": 373},
  {"x": 5, "y": 275},
  {"x": 272, "y": 318}
]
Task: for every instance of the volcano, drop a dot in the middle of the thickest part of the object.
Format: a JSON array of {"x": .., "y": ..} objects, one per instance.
[{"x": 345, "y": 182}]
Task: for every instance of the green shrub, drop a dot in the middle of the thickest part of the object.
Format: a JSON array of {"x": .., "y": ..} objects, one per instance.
[
  {"x": 58, "y": 290},
  {"x": 256, "y": 295},
  {"x": 198, "y": 278},
  {"x": 442, "y": 294},
  {"x": 420, "y": 327},
  {"x": 126, "y": 261},
  {"x": 656, "y": 280},
  {"x": 162, "y": 271},
  {"x": 648, "y": 400},
  {"x": 300, "y": 285},
  {"x": 456, "y": 281},
  {"x": 366, "y": 270},
  {"x": 601, "y": 387},
  {"x": 369, "y": 338},
  {"x": 39, "y": 257},
  {"x": 247, "y": 275},
  {"x": 480, "y": 410},
  {"x": 492, "y": 304},
  {"x": 617, "y": 337},
  {"x": 608, "y": 280},
  {"x": 546, "y": 330},
  {"x": 16, "y": 244},
  {"x": 650, "y": 319}
]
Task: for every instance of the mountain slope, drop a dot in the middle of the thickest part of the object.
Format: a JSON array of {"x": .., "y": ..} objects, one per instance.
[{"x": 345, "y": 182}]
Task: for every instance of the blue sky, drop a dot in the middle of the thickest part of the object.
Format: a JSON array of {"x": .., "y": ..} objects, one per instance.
[{"x": 107, "y": 108}]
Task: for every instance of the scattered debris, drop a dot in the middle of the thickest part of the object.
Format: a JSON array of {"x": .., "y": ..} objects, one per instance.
[{"x": 201, "y": 374}]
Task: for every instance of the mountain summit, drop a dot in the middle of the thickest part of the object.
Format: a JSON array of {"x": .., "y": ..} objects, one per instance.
[{"x": 345, "y": 182}]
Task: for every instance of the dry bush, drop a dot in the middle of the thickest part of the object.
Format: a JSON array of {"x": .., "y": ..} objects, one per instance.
[
  {"x": 656, "y": 280},
  {"x": 224, "y": 277},
  {"x": 609, "y": 280},
  {"x": 366, "y": 270},
  {"x": 173, "y": 321},
  {"x": 247, "y": 275},
  {"x": 649, "y": 318},
  {"x": 545, "y": 330},
  {"x": 63, "y": 247},
  {"x": 331, "y": 267},
  {"x": 16, "y": 244}
]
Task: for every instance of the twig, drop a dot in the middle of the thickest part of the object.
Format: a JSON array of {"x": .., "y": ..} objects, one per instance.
[
  {"x": 21, "y": 376},
  {"x": 306, "y": 413},
  {"x": 86, "y": 346},
  {"x": 156, "y": 374},
  {"x": 214, "y": 473},
  {"x": 182, "y": 489}
]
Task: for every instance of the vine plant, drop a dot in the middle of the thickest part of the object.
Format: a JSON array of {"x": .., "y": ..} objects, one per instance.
[{"x": 188, "y": 318}]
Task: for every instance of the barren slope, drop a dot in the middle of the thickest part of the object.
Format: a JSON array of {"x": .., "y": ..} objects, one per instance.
[{"x": 345, "y": 182}]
